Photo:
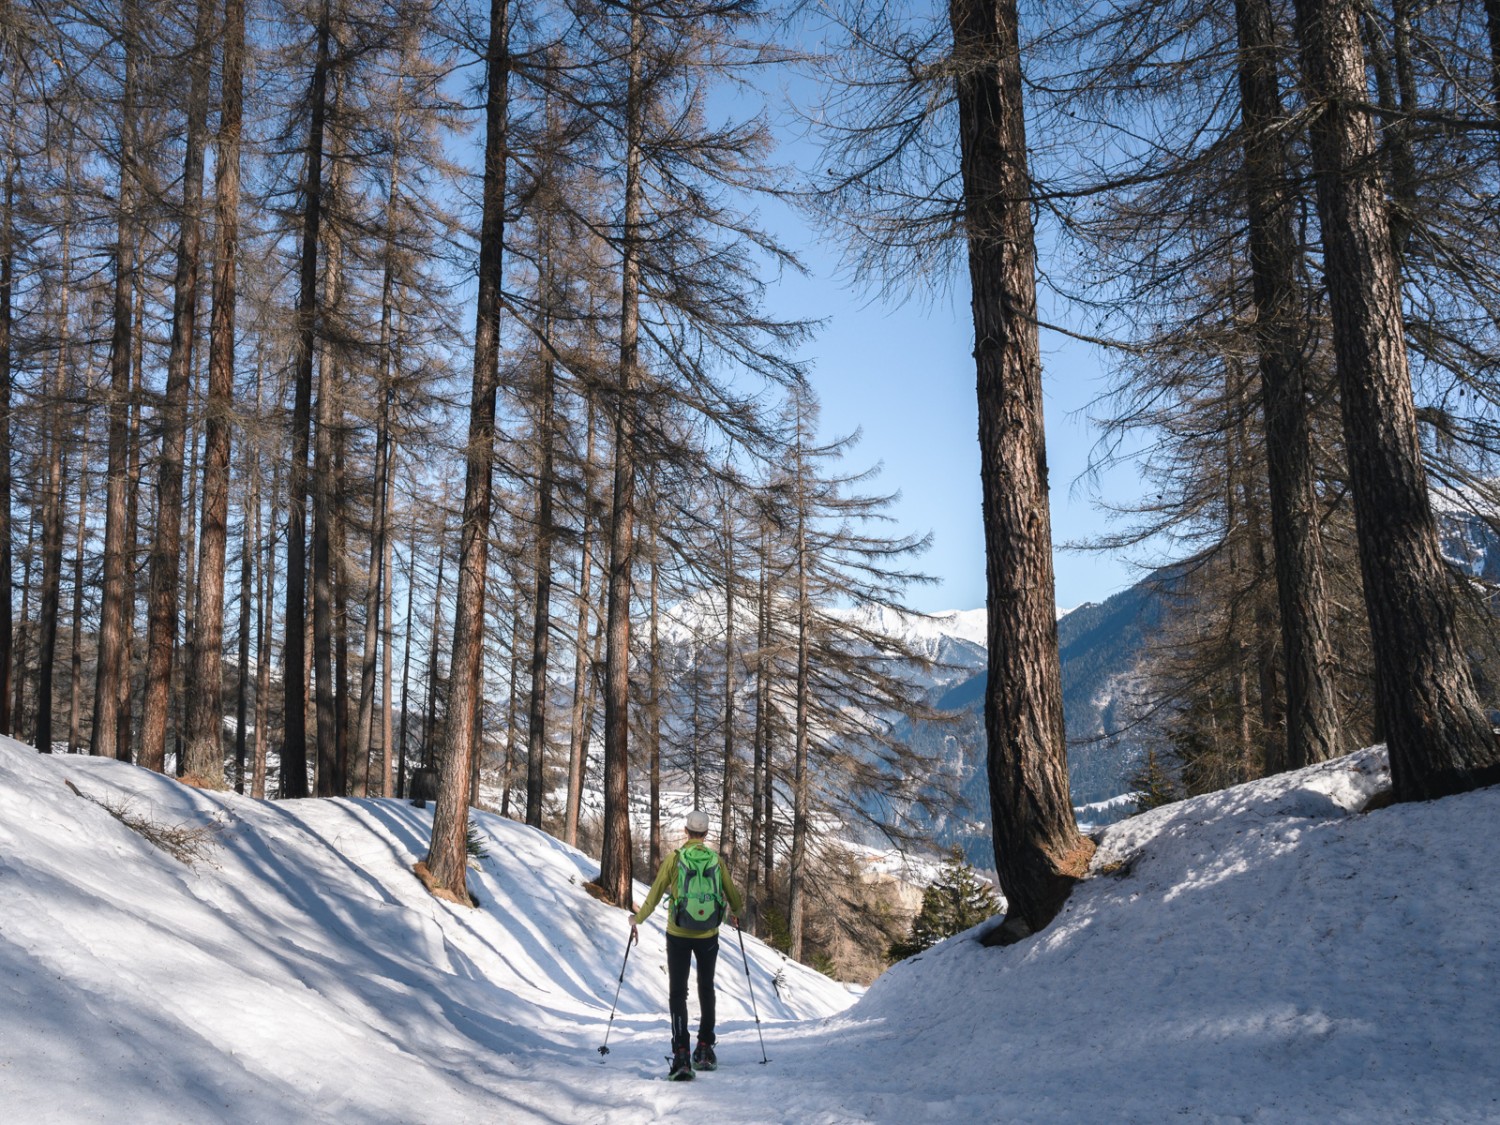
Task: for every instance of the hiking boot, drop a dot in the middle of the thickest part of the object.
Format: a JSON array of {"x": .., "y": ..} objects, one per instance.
[
  {"x": 682, "y": 1065},
  {"x": 703, "y": 1057}
]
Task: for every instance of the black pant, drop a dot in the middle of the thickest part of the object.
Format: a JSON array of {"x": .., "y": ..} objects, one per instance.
[{"x": 680, "y": 950}]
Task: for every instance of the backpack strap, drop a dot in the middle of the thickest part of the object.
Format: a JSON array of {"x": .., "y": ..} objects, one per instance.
[{"x": 679, "y": 873}]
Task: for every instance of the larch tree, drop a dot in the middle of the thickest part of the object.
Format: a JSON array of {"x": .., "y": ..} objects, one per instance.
[
  {"x": 112, "y": 665},
  {"x": 205, "y": 694},
  {"x": 447, "y": 858},
  {"x": 1438, "y": 734},
  {"x": 294, "y": 649},
  {"x": 1038, "y": 850},
  {"x": 166, "y": 551}
]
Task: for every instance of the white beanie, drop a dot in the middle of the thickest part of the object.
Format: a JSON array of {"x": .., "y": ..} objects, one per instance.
[{"x": 697, "y": 822}]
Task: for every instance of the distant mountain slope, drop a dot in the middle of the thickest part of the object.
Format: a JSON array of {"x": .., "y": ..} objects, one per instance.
[{"x": 1099, "y": 645}]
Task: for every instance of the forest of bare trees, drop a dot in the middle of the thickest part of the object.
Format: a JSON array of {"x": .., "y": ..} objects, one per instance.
[{"x": 390, "y": 396}]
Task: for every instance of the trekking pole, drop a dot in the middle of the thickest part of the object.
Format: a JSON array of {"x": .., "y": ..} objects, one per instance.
[
  {"x": 746, "y": 958},
  {"x": 629, "y": 941}
]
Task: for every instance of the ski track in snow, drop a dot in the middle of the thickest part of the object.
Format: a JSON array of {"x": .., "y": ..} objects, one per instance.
[{"x": 1264, "y": 954}]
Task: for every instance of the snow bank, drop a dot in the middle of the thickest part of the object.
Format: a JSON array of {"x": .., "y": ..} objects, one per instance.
[
  {"x": 304, "y": 975},
  {"x": 1262, "y": 954},
  {"x": 1265, "y": 954}
]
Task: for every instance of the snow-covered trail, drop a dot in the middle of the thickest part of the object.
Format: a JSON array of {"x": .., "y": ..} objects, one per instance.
[
  {"x": 1265, "y": 954},
  {"x": 303, "y": 974}
]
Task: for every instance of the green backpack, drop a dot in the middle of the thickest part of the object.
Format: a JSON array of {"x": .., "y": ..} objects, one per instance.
[{"x": 698, "y": 902}]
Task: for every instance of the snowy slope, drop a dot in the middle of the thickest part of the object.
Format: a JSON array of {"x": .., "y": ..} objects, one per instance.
[
  {"x": 306, "y": 975},
  {"x": 1261, "y": 954},
  {"x": 1264, "y": 954}
]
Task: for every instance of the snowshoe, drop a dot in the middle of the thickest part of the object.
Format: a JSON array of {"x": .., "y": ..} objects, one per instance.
[
  {"x": 682, "y": 1066},
  {"x": 704, "y": 1058}
]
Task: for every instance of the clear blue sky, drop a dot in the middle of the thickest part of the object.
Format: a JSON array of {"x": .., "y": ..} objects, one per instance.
[{"x": 904, "y": 375}]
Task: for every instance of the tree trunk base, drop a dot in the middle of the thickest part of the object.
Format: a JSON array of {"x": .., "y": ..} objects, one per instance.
[
  {"x": 596, "y": 889},
  {"x": 1068, "y": 873},
  {"x": 461, "y": 898}
]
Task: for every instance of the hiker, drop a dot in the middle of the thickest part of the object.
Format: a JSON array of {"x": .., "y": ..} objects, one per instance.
[{"x": 698, "y": 886}]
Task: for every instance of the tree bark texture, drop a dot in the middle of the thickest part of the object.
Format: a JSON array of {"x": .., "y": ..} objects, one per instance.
[
  {"x": 112, "y": 669},
  {"x": 541, "y": 631},
  {"x": 52, "y": 509},
  {"x": 1313, "y": 729},
  {"x": 1437, "y": 732},
  {"x": 205, "y": 692},
  {"x": 75, "y": 704},
  {"x": 726, "y": 800},
  {"x": 447, "y": 858},
  {"x": 166, "y": 548},
  {"x": 797, "y": 862},
  {"x": 294, "y": 648},
  {"x": 7, "y": 351},
  {"x": 329, "y": 773},
  {"x": 615, "y": 874},
  {"x": 1038, "y": 852},
  {"x": 578, "y": 736}
]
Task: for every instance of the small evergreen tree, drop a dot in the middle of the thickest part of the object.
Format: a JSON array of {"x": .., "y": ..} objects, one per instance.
[
  {"x": 1154, "y": 784},
  {"x": 956, "y": 901}
]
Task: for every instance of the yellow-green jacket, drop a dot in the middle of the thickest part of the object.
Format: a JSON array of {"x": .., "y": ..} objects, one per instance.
[{"x": 666, "y": 880}]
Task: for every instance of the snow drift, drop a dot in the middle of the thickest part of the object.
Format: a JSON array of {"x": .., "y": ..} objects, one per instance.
[{"x": 1265, "y": 954}]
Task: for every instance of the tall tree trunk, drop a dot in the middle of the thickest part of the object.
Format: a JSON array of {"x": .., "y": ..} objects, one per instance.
[
  {"x": 112, "y": 669},
  {"x": 1038, "y": 851},
  {"x": 21, "y": 635},
  {"x": 541, "y": 631},
  {"x": 726, "y": 800},
  {"x": 134, "y": 468},
  {"x": 52, "y": 503},
  {"x": 762, "y": 686},
  {"x": 379, "y": 548},
  {"x": 294, "y": 651},
  {"x": 1237, "y": 531},
  {"x": 653, "y": 709},
  {"x": 339, "y": 573},
  {"x": 242, "y": 679},
  {"x": 448, "y": 857},
  {"x": 411, "y": 585},
  {"x": 18, "y": 706},
  {"x": 1438, "y": 734},
  {"x": 578, "y": 741},
  {"x": 507, "y": 770},
  {"x": 380, "y": 501},
  {"x": 429, "y": 732},
  {"x": 327, "y": 427},
  {"x": 1313, "y": 728},
  {"x": 1263, "y": 624},
  {"x": 189, "y": 584},
  {"x": 166, "y": 550},
  {"x": 797, "y": 863},
  {"x": 263, "y": 628},
  {"x": 205, "y": 691},
  {"x": 75, "y": 679},
  {"x": 615, "y": 874},
  {"x": 7, "y": 561},
  {"x": 387, "y": 634}
]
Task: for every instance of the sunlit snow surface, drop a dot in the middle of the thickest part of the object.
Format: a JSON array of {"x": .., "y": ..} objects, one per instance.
[{"x": 1264, "y": 954}]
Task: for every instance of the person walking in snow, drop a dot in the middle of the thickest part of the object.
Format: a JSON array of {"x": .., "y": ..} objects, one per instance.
[{"x": 698, "y": 887}]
